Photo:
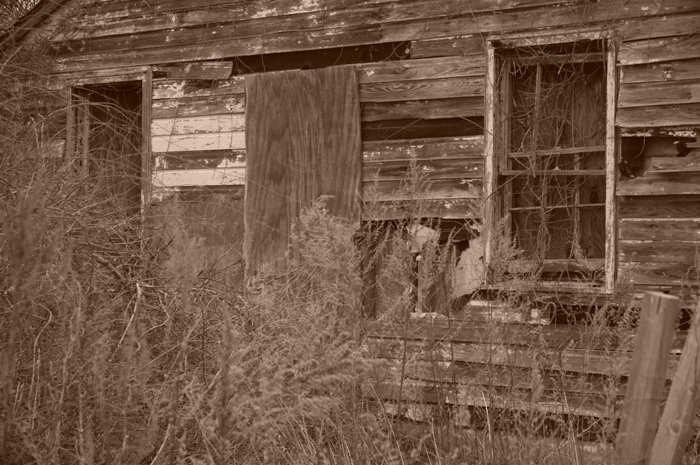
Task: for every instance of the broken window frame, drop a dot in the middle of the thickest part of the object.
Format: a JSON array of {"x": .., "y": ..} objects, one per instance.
[
  {"x": 74, "y": 85},
  {"x": 497, "y": 198}
]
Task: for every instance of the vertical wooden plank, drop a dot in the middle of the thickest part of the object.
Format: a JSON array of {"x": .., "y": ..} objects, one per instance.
[
  {"x": 676, "y": 422},
  {"x": 303, "y": 142},
  {"x": 610, "y": 169},
  {"x": 645, "y": 384},
  {"x": 489, "y": 213},
  {"x": 146, "y": 112}
]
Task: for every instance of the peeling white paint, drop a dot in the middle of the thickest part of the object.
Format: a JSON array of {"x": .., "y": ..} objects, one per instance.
[
  {"x": 195, "y": 142},
  {"x": 199, "y": 177}
]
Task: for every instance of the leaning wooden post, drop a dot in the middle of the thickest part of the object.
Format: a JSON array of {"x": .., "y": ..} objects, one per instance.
[
  {"x": 645, "y": 384},
  {"x": 676, "y": 422}
]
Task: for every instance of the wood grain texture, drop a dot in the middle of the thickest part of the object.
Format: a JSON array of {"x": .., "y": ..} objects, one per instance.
[
  {"x": 450, "y": 46},
  {"x": 199, "y": 70},
  {"x": 182, "y": 88},
  {"x": 659, "y": 93},
  {"x": 460, "y": 107},
  {"x": 681, "y": 253},
  {"x": 202, "y": 142},
  {"x": 184, "y": 107},
  {"x": 420, "y": 69},
  {"x": 661, "y": 72},
  {"x": 423, "y": 89},
  {"x": 661, "y": 49},
  {"x": 658, "y": 274},
  {"x": 676, "y": 422},
  {"x": 303, "y": 139},
  {"x": 198, "y": 124},
  {"x": 681, "y": 184},
  {"x": 682, "y": 230},
  {"x": 659, "y": 116},
  {"x": 644, "y": 395},
  {"x": 461, "y": 147},
  {"x": 375, "y": 210},
  {"x": 651, "y": 206}
]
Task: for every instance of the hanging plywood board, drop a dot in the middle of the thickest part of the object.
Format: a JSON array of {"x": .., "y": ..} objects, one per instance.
[{"x": 303, "y": 141}]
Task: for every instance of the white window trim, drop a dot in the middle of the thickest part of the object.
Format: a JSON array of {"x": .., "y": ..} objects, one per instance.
[{"x": 489, "y": 214}]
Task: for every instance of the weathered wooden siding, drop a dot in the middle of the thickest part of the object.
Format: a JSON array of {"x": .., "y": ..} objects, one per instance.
[
  {"x": 303, "y": 139},
  {"x": 113, "y": 34},
  {"x": 198, "y": 132},
  {"x": 479, "y": 362}
]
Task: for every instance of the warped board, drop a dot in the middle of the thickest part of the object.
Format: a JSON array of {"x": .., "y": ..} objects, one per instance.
[
  {"x": 303, "y": 141},
  {"x": 318, "y": 29}
]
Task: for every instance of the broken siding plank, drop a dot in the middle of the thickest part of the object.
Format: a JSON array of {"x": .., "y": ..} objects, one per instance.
[
  {"x": 418, "y": 90},
  {"x": 198, "y": 177},
  {"x": 179, "y": 88},
  {"x": 467, "y": 147},
  {"x": 685, "y": 229},
  {"x": 661, "y": 72},
  {"x": 198, "y": 124},
  {"x": 222, "y": 159},
  {"x": 172, "y": 108},
  {"x": 688, "y": 184},
  {"x": 669, "y": 165},
  {"x": 411, "y": 70},
  {"x": 192, "y": 142},
  {"x": 657, "y": 50},
  {"x": 423, "y": 109},
  {"x": 201, "y": 70},
  {"x": 659, "y": 93},
  {"x": 659, "y": 116},
  {"x": 686, "y": 253}
]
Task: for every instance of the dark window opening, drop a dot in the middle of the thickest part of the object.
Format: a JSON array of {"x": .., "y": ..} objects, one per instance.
[
  {"x": 552, "y": 153},
  {"x": 316, "y": 59},
  {"x": 107, "y": 139}
]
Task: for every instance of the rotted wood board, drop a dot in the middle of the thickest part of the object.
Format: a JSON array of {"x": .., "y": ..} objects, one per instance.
[{"x": 303, "y": 141}]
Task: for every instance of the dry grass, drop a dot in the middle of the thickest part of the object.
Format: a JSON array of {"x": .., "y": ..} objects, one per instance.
[{"x": 129, "y": 341}]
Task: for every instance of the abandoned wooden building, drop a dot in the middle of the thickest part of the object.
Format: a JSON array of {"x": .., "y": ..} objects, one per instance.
[{"x": 551, "y": 139}]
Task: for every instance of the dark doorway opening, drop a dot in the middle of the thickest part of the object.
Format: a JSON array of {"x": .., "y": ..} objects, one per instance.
[{"x": 108, "y": 140}]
